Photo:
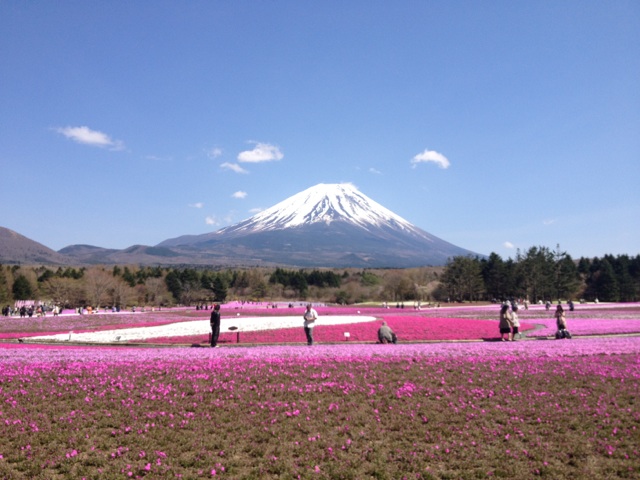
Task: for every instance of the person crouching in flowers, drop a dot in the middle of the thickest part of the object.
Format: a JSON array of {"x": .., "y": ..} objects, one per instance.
[
  {"x": 561, "y": 323},
  {"x": 505, "y": 323},
  {"x": 386, "y": 335}
]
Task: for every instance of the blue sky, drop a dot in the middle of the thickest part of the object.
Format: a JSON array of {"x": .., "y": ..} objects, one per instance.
[{"x": 493, "y": 125}]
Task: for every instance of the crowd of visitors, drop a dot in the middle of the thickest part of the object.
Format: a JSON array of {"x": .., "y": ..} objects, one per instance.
[
  {"x": 509, "y": 325},
  {"x": 28, "y": 310}
]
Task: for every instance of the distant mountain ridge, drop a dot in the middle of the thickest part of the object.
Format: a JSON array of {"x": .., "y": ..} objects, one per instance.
[
  {"x": 328, "y": 225},
  {"x": 16, "y": 248}
]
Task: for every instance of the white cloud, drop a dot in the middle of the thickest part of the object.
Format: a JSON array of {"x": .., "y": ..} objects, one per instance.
[
  {"x": 196, "y": 205},
  {"x": 239, "y": 194},
  {"x": 375, "y": 170},
  {"x": 217, "y": 220},
  {"x": 431, "y": 156},
  {"x": 262, "y": 152},
  {"x": 86, "y": 136},
  {"x": 549, "y": 222},
  {"x": 256, "y": 210},
  {"x": 214, "y": 152},
  {"x": 234, "y": 167},
  {"x": 156, "y": 158},
  {"x": 509, "y": 245}
]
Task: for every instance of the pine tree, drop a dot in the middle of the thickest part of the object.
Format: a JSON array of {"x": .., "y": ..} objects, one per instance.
[
  {"x": 5, "y": 292},
  {"x": 606, "y": 285},
  {"x": 22, "y": 289},
  {"x": 219, "y": 289}
]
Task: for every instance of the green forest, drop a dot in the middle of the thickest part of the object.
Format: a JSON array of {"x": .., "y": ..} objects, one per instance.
[{"x": 539, "y": 274}]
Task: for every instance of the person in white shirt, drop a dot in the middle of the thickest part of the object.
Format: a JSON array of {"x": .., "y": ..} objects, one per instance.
[{"x": 310, "y": 317}]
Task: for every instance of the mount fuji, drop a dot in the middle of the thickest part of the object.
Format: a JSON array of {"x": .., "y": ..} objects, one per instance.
[{"x": 328, "y": 225}]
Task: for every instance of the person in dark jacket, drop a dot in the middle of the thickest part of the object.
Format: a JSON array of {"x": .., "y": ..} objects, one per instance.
[{"x": 215, "y": 325}]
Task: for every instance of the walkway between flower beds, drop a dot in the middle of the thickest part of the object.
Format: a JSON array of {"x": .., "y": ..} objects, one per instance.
[{"x": 198, "y": 328}]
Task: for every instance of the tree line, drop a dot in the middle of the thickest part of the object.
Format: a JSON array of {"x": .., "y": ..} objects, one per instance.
[
  {"x": 539, "y": 274},
  {"x": 126, "y": 286}
]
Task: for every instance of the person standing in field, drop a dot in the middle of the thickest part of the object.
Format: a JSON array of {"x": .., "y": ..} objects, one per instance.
[
  {"x": 561, "y": 320},
  {"x": 505, "y": 322},
  {"x": 310, "y": 317},
  {"x": 214, "y": 320},
  {"x": 515, "y": 323}
]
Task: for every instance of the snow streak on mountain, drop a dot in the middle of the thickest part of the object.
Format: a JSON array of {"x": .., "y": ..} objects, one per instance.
[{"x": 325, "y": 203}]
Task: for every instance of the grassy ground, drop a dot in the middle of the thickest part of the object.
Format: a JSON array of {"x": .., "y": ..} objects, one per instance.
[
  {"x": 317, "y": 413},
  {"x": 548, "y": 409}
]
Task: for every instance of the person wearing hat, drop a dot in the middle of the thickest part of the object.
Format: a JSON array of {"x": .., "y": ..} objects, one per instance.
[
  {"x": 215, "y": 325},
  {"x": 506, "y": 321}
]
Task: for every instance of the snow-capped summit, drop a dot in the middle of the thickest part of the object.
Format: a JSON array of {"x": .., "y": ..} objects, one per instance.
[
  {"x": 323, "y": 203},
  {"x": 328, "y": 225}
]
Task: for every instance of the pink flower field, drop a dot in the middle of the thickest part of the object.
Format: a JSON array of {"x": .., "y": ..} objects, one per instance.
[
  {"x": 436, "y": 324},
  {"x": 464, "y": 410},
  {"x": 408, "y": 329},
  {"x": 430, "y": 408}
]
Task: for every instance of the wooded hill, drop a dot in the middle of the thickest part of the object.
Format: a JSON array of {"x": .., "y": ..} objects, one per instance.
[{"x": 538, "y": 274}]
